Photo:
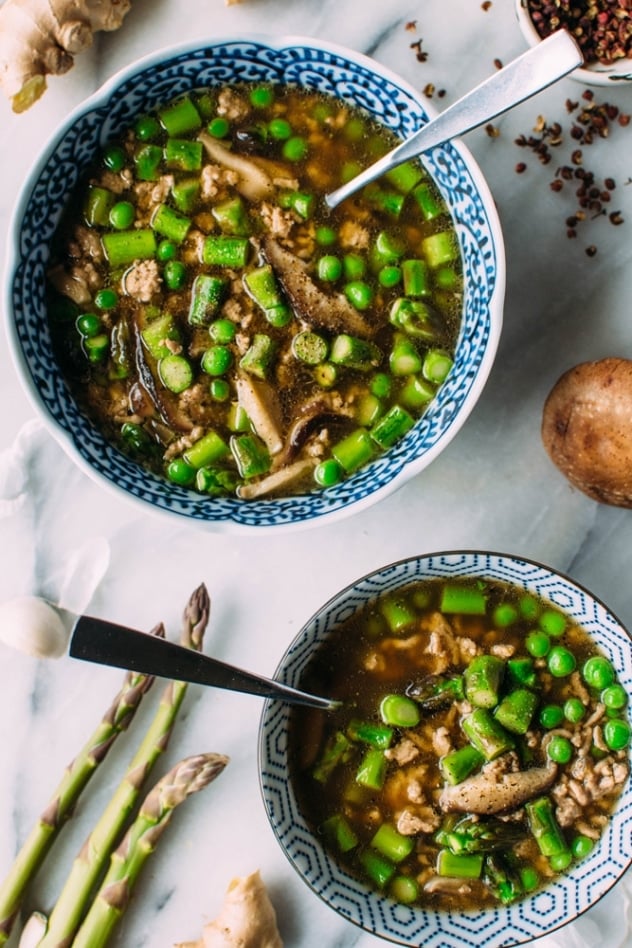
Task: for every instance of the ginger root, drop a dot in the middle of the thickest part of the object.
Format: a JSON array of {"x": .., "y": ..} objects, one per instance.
[
  {"x": 246, "y": 920},
  {"x": 40, "y": 38}
]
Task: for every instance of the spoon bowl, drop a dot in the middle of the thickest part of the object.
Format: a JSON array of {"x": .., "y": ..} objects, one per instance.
[{"x": 531, "y": 72}]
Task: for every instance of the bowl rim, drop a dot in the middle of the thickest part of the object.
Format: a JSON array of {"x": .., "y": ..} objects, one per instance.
[
  {"x": 439, "y": 564},
  {"x": 592, "y": 74},
  {"x": 97, "y": 99}
]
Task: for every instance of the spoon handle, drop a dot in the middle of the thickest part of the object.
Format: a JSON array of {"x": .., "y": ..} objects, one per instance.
[
  {"x": 531, "y": 72},
  {"x": 96, "y": 640}
]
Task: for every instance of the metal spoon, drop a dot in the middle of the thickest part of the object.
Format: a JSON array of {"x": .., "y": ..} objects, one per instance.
[
  {"x": 95, "y": 640},
  {"x": 536, "y": 69}
]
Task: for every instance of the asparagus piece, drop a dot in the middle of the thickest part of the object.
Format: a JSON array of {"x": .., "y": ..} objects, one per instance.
[
  {"x": 186, "y": 778},
  {"x": 60, "y": 807},
  {"x": 91, "y": 861}
]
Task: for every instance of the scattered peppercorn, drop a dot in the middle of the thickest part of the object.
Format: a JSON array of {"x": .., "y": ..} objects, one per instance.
[
  {"x": 602, "y": 28},
  {"x": 498, "y": 63},
  {"x": 590, "y": 120},
  {"x": 420, "y": 53},
  {"x": 591, "y": 251},
  {"x": 486, "y": 5}
]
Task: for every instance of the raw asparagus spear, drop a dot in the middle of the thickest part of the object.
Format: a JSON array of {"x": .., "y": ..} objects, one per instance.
[
  {"x": 61, "y": 804},
  {"x": 187, "y": 777},
  {"x": 90, "y": 863}
]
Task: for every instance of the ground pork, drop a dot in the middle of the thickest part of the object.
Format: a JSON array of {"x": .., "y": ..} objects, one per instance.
[
  {"x": 142, "y": 281},
  {"x": 353, "y": 236},
  {"x": 403, "y": 753},
  {"x": 86, "y": 243},
  {"x": 277, "y": 222},
  {"x": 215, "y": 181},
  {"x": 149, "y": 194},
  {"x": 232, "y": 105}
]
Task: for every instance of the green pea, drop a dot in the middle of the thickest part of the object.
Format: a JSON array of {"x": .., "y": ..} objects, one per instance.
[
  {"x": 389, "y": 276},
  {"x": 96, "y": 347},
  {"x": 88, "y": 325},
  {"x": 561, "y": 861},
  {"x": 175, "y": 274},
  {"x": 381, "y": 385},
  {"x": 261, "y": 97},
  {"x": 222, "y": 331},
  {"x": 598, "y": 672},
  {"x": 561, "y": 662},
  {"x": 559, "y": 749},
  {"x": 147, "y": 128},
  {"x": 295, "y": 148},
  {"x": 504, "y": 615},
  {"x": 582, "y": 846},
  {"x": 218, "y": 127},
  {"x": 280, "y": 129},
  {"x": 538, "y": 644},
  {"x": 529, "y": 607},
  {"x": 354, "y": 266},
  {"x": 106, "y": 299},
  {"x": 122, "y": 215},
  {"x": 325, "y": 236},
  {"x": 114, "y": 158},
  {"x": 359, "y": 294},
  {"x": 551, "y": 716},
  {"x": 328, "y": 473},
  {"x": 279, "y": 316},
  {"x": 616, "y": 734},
  {"x": 614, "y": 697},
  {"x": 219, "y": 390},
  {"x": 166, "y": 250},
  {"x": 217, "y": 360},
  {"x": 529, "y": 878},
  {"x": 574, "y": 710},
  {"x": 329, "y": 268},
  {"x": 552, "y": 622},
  {"x": 179, "y": 472},
  {"x": 354, "y": 129}
]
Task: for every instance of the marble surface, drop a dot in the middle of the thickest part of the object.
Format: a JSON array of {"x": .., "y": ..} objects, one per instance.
[{"x": 64, "y": 537}]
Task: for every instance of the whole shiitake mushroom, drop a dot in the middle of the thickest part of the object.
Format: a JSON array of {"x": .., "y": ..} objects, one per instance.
[{"x": 587, "y": 429}]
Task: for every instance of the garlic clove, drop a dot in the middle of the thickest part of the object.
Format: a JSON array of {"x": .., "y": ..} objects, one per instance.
[{"x": 33, "y": 626}]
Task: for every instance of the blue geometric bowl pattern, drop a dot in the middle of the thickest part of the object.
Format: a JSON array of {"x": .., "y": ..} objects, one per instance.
[
  {"x": 156, "y": 79},
  {"x": 539, "y": 915}
]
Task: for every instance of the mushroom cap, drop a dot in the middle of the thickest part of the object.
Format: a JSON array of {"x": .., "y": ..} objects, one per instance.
[{"x": 587, "y": 429}]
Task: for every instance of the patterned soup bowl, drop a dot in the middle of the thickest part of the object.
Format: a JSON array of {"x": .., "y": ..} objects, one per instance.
[
  {"x": 158, "y": 79},
  {"x": 285, "y": 759}
]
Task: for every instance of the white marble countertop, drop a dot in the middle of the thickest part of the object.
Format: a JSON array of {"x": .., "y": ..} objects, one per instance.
[{"x": 493, "y": 488}]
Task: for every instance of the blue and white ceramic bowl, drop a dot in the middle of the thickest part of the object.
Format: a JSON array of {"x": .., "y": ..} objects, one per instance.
[
  {"x": 159, "y": 78},
  {"x": 536, "y": 916}
]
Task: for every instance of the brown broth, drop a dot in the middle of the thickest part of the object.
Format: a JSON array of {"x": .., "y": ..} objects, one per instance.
[{"x": 369, "y": 657}]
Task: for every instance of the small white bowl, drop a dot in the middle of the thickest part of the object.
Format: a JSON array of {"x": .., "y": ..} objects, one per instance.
[
  {"x": 593, "y": 74},
  {"x": 157, "y": 79}
]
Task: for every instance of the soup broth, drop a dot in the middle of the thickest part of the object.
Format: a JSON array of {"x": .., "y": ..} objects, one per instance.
[
  {"x": 479, "y": 751},
  {"x": 223, "y": 327}
]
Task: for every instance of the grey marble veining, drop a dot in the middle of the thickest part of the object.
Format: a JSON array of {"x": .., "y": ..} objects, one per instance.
[{"x": 492, "y": 488}]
